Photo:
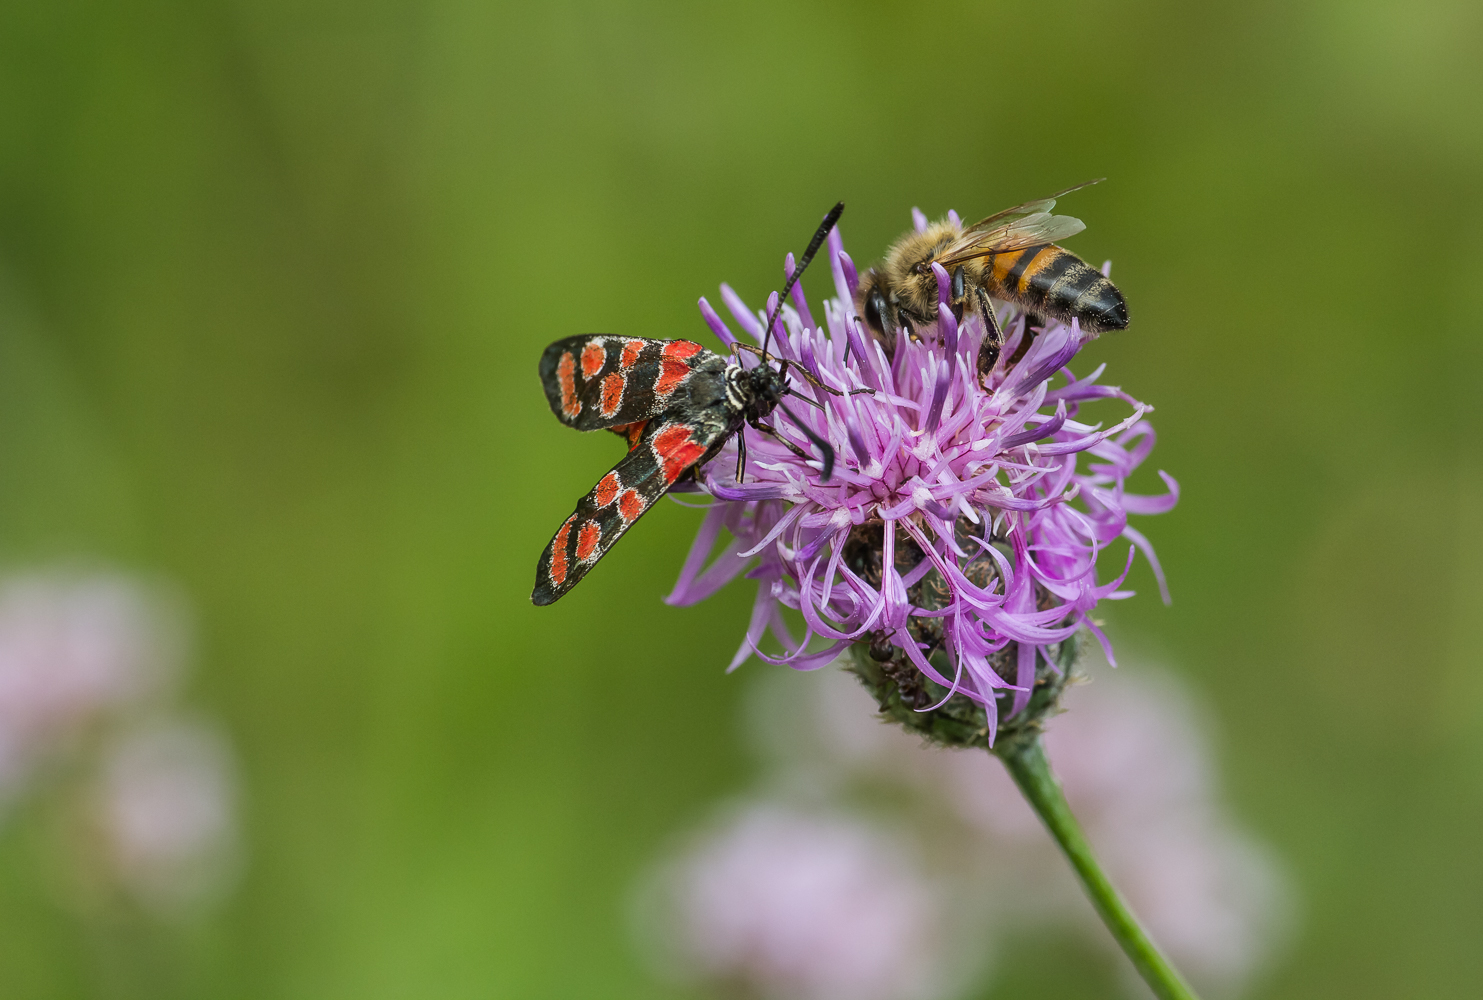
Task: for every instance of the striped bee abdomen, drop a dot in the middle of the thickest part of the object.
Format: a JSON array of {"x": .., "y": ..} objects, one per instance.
[{"x": 1055, "y": 282}]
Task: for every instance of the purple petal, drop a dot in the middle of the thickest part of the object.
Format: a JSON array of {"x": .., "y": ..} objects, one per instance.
[
  {"x": 939, "y": 396},
  {"x": 762, "y": 608},
  {"x": 1137, "y": 538},
  {"x": 751, "y": 491},
  {"x": 1135, "y": 503},
  {"x": 1045, "y": 430},
  {"x": 948, "y": 324},
  {"x": 1047, "y": 366},
  {"x": 834, "y": 247},
  {"x": 851, "y": 277},
  {"x": 714, "y": 322},
  {"x": 744, "y": 316},
  {"x": 782, "y": 345},
  {"x": 944, "y": 284},
  {"x": 1024, "y": 676},
  {"x": 799, "y": 302},
  {"x": 808, "y": 661},
  {"x": 868, "y": 370},
  {"x": 700, "y": 549}
]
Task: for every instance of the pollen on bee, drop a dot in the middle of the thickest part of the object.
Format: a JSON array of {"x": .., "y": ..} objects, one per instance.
[
  {"x": 587, "y": 538},
  {"x": 612, "y": 394}
]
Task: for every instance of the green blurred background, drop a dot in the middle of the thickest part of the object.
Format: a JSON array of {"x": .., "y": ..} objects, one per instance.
[{"x": 274, "y": 278}]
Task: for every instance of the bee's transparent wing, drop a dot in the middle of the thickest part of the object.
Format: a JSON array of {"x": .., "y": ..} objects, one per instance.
[
  {"x": 1035, "y": 229},
  {"x": 1036, "y": 207}
]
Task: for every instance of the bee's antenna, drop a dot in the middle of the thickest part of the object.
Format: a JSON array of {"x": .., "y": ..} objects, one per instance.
[{"x": 808, "y": 255}]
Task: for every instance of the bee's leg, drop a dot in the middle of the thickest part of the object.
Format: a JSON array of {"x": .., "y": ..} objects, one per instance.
[
  {"x": 988, "y": 351},
  {"x": 958, "y": 298},
  {"x": 1034, "y": 322},
  {"x": 905, "y": 320},
  {"x": 741, "y": 453}
]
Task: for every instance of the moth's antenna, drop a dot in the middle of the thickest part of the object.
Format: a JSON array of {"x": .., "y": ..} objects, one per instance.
[
  {"x": 807, "y": 375},
  {"x": 824, "y": 447},
  {"x": 820, "y": 235},
  {"x": 798, "y": 395}
]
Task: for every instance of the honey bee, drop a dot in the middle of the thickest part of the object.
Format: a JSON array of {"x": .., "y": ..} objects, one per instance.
[{"x": 1011, "y": 255}]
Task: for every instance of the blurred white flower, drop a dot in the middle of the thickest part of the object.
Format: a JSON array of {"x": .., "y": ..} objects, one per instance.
[
  {"x": 797, "y": 904},
  {"x": 166, "y": 814},
  {"x": 71, "y": 649}
]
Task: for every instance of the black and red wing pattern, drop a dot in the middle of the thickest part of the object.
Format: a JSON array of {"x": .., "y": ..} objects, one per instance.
[
  {"x": 600, "y": 380},
  {"x": 630, "y": 432},
  {"x": 665, "y": 448}
]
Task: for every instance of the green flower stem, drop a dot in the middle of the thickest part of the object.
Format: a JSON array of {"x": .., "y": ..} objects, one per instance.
[{"x": 1025, "y": 758}]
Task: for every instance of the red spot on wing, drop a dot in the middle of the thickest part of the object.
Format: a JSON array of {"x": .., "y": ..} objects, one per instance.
[
  {"x": 677, "y": 450},
  {"x": 612, "y": 394},
  {"x": 671, "y": 374},
  {"x": 606, "y": 490},
  {"x": 679, "y": 350},
  {"x": 631, "y": 351},
  {"x": 587, "y": 538},
  {"x": 673, "y": 366},
  {"x": 630, "y": 505},
  {"x": 566, "y": 376},
  {"x": 593, "y": 355},
  {"x": 558, "y": 552}
]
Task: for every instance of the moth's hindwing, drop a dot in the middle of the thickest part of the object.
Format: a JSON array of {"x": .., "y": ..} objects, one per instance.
[
  {"x": 666, "y": 447},
  {"x": 599, "y": 380},
  {"x": 630, "y": 432}
]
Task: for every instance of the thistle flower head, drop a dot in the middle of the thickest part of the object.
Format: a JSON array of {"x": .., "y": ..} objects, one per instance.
[{"x": 958, "y": 536}]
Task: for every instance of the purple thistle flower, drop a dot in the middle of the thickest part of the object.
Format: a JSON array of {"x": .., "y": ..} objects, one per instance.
[{"x": 957, "y": 534}]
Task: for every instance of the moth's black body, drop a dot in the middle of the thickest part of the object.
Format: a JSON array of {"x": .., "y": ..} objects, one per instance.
[{"x": 676, "y": 403}]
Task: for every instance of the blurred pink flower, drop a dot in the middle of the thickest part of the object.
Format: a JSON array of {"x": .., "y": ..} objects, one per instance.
[
  {"x": 1136, "y": 767},
  {"x": 800, "y": 904},
  {"x": 166, "y": 814},
  {"x": 71, "y": 648},
  {"x": 786, "y": 897},
  {"x": 86, "y": 665}
]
